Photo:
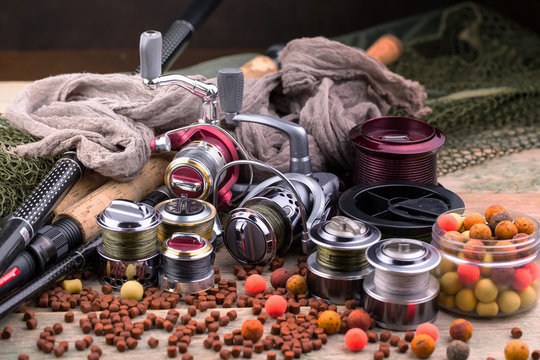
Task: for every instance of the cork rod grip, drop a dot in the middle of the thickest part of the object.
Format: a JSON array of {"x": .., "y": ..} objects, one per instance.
[
  {"x": 89, "y": 182},
  {"x": 85, "y": 211}
]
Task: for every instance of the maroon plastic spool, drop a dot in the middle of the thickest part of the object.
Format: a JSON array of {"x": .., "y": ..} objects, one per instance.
[{"x": 395, "y": 148}]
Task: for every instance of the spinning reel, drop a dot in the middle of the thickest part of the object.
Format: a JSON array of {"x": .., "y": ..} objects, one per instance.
[{"x": 274, "y": 212}]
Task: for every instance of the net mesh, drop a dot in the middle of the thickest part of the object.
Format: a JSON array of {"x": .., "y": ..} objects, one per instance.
[
  {"x": 481, "y": 72},
  {"x": 482, "y": 75}
]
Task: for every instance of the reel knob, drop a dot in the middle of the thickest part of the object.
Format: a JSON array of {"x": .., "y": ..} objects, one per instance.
[{"x": 150, "y": 47}]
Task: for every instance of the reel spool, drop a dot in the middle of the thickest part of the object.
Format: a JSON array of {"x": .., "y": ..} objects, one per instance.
[
  {"x": 204, "y": 150},
  {"x": 186, "y": 264},
  {"x": 128, "y": 251},
  {"x": 188, "y": 216},
  {"x": 401, "y": 293},
  {"x": 394, "y": 147},
  {"x": 401, "y": 209},
  {"x": 336, "y": 272}
]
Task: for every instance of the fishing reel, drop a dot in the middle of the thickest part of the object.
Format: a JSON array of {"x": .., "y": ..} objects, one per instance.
[
  {"x": 204, "y": 148},
  {"x": 268, "y": 220},
  {"x": 270, "y": 216}
]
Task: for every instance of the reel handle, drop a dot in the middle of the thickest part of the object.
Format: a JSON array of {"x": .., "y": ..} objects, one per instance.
[
  {"x": 231, "y": 90},
  {"x": 150, "y": 48}
]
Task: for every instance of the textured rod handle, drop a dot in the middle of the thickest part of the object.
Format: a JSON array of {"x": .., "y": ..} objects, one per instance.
[
  {"x": 65, "y": 173},
  {"x": 230, "y": 89},
  {"x": 174, "y": 42},
  {"x": 150, "y": 53},
  {"x": 36, "y": 209}
]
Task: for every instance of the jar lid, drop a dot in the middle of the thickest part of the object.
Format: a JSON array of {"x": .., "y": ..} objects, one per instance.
[
  {"x": 185, "y": 210},
  {"x": 397, "y": 135},
  {"x": 405, "y": 256},
  {"x": 128, "y": 216},
  {"x": 399, "y": 208},
  {"x": 343, "y": 233}
]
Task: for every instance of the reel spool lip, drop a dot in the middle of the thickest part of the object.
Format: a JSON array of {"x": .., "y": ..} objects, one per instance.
[
  {"x": 185, "y": 286},
  {"x": 315, "y": 268},
  {"x": 415, "y": 298},
  {"x": 186, "y": 255},
  {"x": 151, "y": 218},
  {"x": 369, "y": 136},
  {"x": 423, "y": 262},
  {"x": 320, "y": 237},
  {"x": 208, "y": 212}
]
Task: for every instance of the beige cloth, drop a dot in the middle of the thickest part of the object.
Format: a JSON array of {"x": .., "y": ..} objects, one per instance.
[{"x": 325, "y": 86}]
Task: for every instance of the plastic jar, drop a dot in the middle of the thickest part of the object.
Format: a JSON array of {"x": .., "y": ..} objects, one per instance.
[{"x": 489, "y": 277}]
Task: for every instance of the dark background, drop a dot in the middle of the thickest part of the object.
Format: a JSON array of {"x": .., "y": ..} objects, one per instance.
[{"x": 41, "y": 38}]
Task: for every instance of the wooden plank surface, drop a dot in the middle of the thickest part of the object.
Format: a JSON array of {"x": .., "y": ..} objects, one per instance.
[{"x": 512, "y": 181}]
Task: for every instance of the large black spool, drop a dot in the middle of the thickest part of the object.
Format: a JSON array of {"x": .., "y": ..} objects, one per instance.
[{"x": 403, "y": 209}]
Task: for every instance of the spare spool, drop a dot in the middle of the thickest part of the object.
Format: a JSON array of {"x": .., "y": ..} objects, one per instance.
[
  {"x": 186, "y": 264},
  {"x": 186, "y": 215},
  {"x": 402, "y": 209},
  {"x": 129, "y": 250},
  {"x": 336, "y": 271},
  {"x": 394, "y": 147},
  {"x": 401, "y": 293}
]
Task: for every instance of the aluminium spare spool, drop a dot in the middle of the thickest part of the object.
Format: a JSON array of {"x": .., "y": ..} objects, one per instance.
[
  {"x": 401, "y": 293},
  {"x": 186, "y": 215},
  {"x": 336, "y": 272},
  {"x": 129, "y": 249}
]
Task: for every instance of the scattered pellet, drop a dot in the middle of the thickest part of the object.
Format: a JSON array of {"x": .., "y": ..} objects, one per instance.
[
  {"x": 59, "y": 351},
  {"x": 183, "y": 347},
  {"x": 6, "y": 333},
  {"x": 96, "y": 349},
  {"x": 409, "y": 335},
  {"x": 69, "y": 317},
  {"x": 153, "y": 342},
  {"x": 93, "y": 356},
  {"x": 225, "y": 354},
  {"x": 394, "y": 339},
  {"x": 516, "y": 332},
  {"x": 29, "y": 315},
  {"x": 271, "y": 356},
  {"x": 403, "y": 346},
  {"x": 187, "y": 356},
  {"x": 535, "y": 355},
  {"x": 106, "y": 289},
  {"x": 32, "y": 323},
  {"x": 378, "y": 355},
  {"x": 236, "y": 351},
  {"x": 121, "y": 346},
  {"x": 385, "y": 336},
  {"x": 247, "y": 352},
  {"x": 23, "y": 357},
  {"x": 58, "y": 328},
  {"x": 171, "y": 351}
]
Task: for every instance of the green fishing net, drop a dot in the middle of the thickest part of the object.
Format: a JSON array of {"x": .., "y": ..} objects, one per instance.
[
  {"x": 482, "y": 75},
  {"x": 481, "y": 72},
  {"x": 18, "y": 176}
]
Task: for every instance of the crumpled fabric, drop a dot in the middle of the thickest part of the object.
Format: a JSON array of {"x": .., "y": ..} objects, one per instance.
[{"x": 325, "y": 86}]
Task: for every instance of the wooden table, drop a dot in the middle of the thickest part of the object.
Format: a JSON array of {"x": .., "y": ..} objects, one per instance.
[{"x": 512, "y": 181}]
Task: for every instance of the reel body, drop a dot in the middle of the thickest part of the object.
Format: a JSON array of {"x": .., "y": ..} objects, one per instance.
[
  {"x": 269, "y": 218},
  {"x": 204, "y": 150}
]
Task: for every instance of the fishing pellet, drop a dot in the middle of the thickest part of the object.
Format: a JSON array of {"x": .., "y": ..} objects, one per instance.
[
  {"x": 96, "y": 349},
  {"x": 121, "y": 346},
  {"x": 23, "y": 357},
  {"x": 6, "y": 332},
  {"x": 69, "y": 317},
  {"x": 402, "y": 346},
  {"x": 171, "y": 351},
  {"x": 153, "y": 342},
  {"x": 187, "y": 356},
  {"x": 59, "y": 351},
  {"x": 516, "y": 332},
  {"x": 394, "y": 339},
  {"x": 93, "y": 356}
]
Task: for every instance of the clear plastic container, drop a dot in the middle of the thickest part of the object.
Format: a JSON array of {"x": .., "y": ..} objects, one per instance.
[{"x": 489, "y": 277}]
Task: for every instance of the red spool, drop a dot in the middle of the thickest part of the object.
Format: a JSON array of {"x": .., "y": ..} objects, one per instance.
[{"x": 395, "y": 148}]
